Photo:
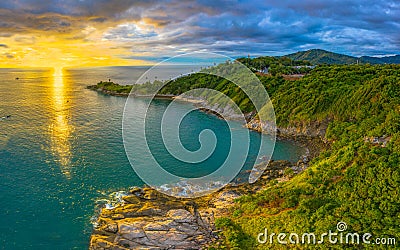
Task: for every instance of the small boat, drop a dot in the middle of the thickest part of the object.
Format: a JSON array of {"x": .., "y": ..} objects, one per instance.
[{"x": 5, "y": 117}]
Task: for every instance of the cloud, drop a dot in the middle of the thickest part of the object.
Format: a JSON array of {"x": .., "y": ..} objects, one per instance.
[
  {"x": 8, "y": 55},
  {"x": 152, "y": 30},
  {"x": 25, "y": 40},
  {"x": 130, "y": 32},
  {"x": 98, "y": 19},
  {"x": 276, "y": 28}
]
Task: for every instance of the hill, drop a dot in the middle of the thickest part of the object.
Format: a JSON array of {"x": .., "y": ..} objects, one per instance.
[
  {"x": 319, "y": 56},
  {"x": 380, "y": 60}
]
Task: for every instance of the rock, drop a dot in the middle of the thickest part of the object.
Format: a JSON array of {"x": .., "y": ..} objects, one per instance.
[
  {"x": 131, "y": 199},
  {"x": 168, "y": 238},
  {"x": 187, "y": 228},
  {"x": 149, "y": 211},
  {"x": 181, "y": 215},
  {"x": 117, "y": 216},
  {"x": 156, "y": 221},
  {"x": 131, "y": 231},
  {"x": 112, "y": 228},
  {"x": 304, "y": 131},
  {"x": 127, "y": 244},
  {"x": 382, "y": 141},
  {"x": 159, "y": 226},
  {"x": 151, "y": 195},
  {"x": 135, "y": 190}
]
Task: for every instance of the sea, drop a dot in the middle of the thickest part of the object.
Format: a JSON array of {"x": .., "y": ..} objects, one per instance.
[{"x": 62, "y": 151}]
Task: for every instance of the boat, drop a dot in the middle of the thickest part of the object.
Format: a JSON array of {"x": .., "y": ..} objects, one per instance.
[{"x": 5, "y": 117}]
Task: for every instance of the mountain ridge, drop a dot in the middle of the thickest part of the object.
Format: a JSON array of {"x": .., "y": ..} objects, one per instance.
[{"x": 320, "y": 56}]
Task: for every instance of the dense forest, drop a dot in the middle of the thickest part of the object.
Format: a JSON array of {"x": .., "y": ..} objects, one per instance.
[{"x": 356, "y": 180}]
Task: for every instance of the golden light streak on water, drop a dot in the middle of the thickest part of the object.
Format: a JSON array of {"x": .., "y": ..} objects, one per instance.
[{"x": 61, "y": 128}]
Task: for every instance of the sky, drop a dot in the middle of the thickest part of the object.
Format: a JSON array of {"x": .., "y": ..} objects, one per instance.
[{"x": 67, "y": 33}]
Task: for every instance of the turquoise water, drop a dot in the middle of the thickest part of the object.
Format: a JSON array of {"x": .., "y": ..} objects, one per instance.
[{"x": 61, "y": 150}]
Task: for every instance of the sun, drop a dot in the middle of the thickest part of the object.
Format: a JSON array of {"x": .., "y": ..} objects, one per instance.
[{"x": 58, "y": 71}]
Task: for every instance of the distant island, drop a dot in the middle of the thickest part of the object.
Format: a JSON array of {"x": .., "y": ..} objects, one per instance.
[
  {"x": 353, "y": 109},
  {"x": 111, "y": 88}
]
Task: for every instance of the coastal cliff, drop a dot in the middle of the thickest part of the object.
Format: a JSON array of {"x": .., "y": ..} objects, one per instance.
[
  {"x": 148, "y": 219},
  {"x": 314, "y": 129}
]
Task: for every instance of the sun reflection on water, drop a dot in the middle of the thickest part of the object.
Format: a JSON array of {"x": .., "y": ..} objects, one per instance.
[{"x": 60, "y": 128}]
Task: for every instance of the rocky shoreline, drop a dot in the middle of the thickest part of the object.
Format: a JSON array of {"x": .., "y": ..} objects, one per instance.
[
  {"x": 148, "y": 219},
  {"x": 309, "y": 135}
]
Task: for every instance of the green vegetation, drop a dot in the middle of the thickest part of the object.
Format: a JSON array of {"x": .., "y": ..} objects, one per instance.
[
  {"x": 380, "y": 60},
  {"x": 147, "y": 88},
  {"x": 319, "y": 56},
  {"x": 276, "y": 65},
  {"x": 354, "y": 181},
  {"x": 117, "y": 89},
  {"x": 111, "y": 87},
  {"x": 205, "y": 79}
]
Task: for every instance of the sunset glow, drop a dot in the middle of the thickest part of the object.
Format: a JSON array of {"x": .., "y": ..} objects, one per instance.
[
  {"x": 119, "y": 33},
  {"x": 57, "y": 51}
]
